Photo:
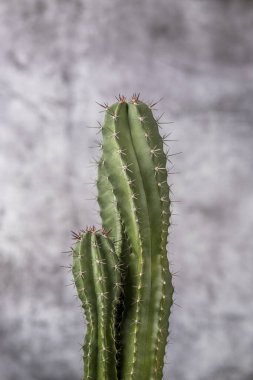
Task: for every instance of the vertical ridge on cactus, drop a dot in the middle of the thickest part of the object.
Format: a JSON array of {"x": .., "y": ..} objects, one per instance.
[
  {"x": 96, "y": 275},
  {"x": 133, "y": 195},
  {"x": 108, "y": 206}
]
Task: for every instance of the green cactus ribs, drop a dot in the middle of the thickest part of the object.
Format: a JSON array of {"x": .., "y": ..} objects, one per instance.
[
  {"x": 97, "y": 279},
  {"x": 135, "y": 163},
  {"x": 122, "y": 271}
]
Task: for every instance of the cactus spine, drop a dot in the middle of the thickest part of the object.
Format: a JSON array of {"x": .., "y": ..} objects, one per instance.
[{"x": 133, "y": 195}]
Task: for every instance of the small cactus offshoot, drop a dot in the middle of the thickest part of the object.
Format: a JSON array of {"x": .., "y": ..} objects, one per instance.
[{"x": 122, "y": 272}]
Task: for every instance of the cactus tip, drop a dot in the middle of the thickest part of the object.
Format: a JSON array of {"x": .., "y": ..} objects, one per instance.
[
  {"x": 135, "y": 98},
  {"x": 121, "y": 98}
]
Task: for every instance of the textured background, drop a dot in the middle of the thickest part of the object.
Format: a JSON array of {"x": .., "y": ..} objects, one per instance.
[{"x": 57, "y": 58}]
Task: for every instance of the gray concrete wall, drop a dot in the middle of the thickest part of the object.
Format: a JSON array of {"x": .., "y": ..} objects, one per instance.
[{"x": 57, "y": 58}]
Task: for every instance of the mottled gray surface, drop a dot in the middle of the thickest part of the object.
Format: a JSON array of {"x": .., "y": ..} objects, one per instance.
[{"x": 57, "y": 58}]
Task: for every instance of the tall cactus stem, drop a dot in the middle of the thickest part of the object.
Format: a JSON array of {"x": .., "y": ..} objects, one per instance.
[{"x": 139, "y": 181}]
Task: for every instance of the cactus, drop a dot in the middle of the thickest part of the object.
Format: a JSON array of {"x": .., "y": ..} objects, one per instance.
[
  {"x": 97, "y": 279},
  {"x": 127, "y": 341}
]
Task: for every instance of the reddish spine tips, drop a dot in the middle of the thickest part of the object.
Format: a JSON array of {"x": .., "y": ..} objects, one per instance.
[
  {"x": 76, "y": 235},
  {"x": 135, "y": 98},
  {"x": 105, "y": 106},
  {"x": 105, "y": 232},
  {"x": 121, "y": 98}
]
